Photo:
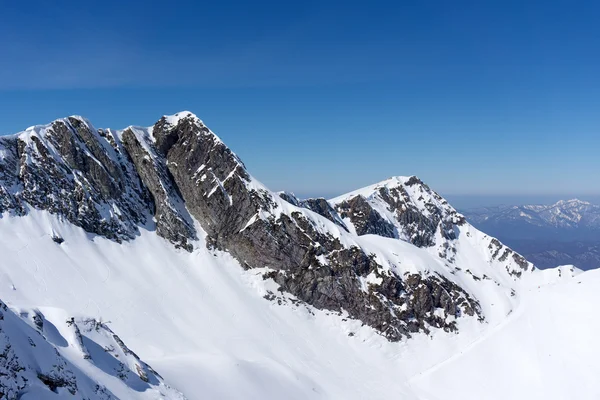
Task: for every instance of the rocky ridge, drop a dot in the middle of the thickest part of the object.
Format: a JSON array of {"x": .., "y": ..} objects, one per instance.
[{"x": 162, "y": 178}]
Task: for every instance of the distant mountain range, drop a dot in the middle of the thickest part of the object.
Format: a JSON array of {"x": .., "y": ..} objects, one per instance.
[{"x": 566, "y": 232}]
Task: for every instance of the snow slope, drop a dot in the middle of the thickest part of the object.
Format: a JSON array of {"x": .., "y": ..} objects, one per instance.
[
  {"x": 547, "y": 349},
  {"x": 203, "y": 324},
  {"x": 46, "y": 353}
]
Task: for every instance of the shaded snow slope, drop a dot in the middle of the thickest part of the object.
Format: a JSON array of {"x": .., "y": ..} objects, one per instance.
[{"x": 46, "y": 354}]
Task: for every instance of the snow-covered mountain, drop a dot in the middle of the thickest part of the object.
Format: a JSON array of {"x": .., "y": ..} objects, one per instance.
[{"x": 232, "y": 291}]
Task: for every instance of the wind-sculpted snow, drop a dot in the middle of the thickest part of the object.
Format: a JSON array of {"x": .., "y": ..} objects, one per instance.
[{"x": 71, "y": 358}]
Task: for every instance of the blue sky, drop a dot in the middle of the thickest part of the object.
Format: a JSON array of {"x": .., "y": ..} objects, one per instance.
[{"x": 476, "y": 98}]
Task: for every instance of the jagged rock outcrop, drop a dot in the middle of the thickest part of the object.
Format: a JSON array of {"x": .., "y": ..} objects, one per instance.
[
  {"x": 255, "y": 226},
  {"x": 406, "y": 208},
  {"x": 365, "y": 219},
  {"x": 403, "y": 208},
  {"x": 68, "y": 168},
  {"x": 93, "y": 179},
  {"x": 172, "y": 219},
  {"x": 319, "y": 205}
]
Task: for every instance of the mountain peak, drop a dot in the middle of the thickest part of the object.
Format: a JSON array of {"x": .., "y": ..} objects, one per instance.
[
  {"x": 400, "y": 179},
  {"x": 574, "y": 201},
  {"x": 368, "y": 191},
  {"x": 175, "y": 118},
  {"x": 40, "y": 128}
]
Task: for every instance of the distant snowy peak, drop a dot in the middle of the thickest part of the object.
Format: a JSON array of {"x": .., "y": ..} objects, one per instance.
[
  {"x": 572, "y": 203},
  {"x": 564, "y": 214}
]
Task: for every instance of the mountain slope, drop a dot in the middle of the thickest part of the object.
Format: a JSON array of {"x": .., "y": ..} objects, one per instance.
[
  {"x": 202, "y": 322},
  {"x": 214, "y": 279},
  {"x": 407, "y": 210},
  {"x": 533, "y": 354},
  {"x": 75, "y": 358}
]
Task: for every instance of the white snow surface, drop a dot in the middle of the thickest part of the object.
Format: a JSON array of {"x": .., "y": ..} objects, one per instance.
[
  {"x": 202, "y": 323},
  {"x": 82, "y": 356}
]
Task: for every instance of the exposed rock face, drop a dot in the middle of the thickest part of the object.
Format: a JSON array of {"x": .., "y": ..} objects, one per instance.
[
  {"x": 70, "y": 170},
  {"x": 318, "y": 205},
  {"x": 172, "y": 219},
  {"x": 503, "y": 253},
  {"x": 406, "y": 208},
  {"x": 251, "y": 223},
  {"x": 365, "y": 219},
  {"x": 93, "y": 180},
  {"x": 415, "y": 218},
  {"x": 112, "y": 183},
  {"x": 396, "y": 306}
]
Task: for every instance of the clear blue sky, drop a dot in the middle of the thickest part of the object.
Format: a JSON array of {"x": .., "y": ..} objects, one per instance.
[{"x": 475, "y": 97}]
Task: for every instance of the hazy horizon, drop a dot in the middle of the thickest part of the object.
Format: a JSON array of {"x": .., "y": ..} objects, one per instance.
[{"x": 464, "y": 201}]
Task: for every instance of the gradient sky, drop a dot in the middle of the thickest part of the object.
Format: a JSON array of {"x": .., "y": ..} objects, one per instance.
[{"x": 475, "y": 97}]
